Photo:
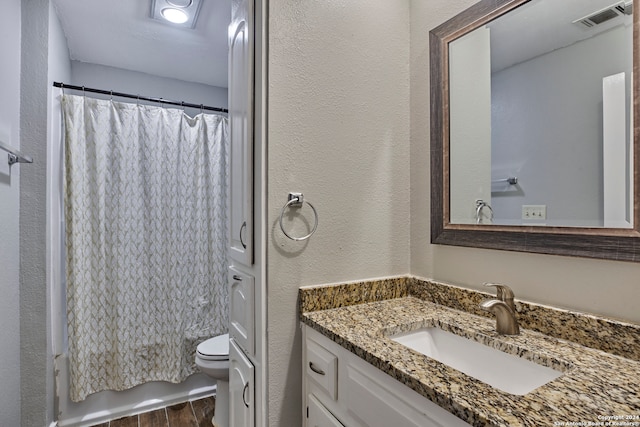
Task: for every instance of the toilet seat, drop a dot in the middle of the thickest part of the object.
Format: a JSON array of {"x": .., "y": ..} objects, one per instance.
[{"x": 216, "y": 348}]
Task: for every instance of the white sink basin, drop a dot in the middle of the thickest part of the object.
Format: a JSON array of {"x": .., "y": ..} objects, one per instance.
[{"x": 503, "y": 371}]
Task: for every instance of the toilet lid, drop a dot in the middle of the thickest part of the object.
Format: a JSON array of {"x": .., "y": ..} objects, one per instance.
[{"x": 216, "y": 348}]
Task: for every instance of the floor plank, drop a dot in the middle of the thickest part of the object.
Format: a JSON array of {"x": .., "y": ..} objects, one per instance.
[
  {"x": 197, "y": 413},
  {"x": 181, "y": 415},
  {"x": 154, "y": 418},
  {"x": 125, "y": 422},
  {"x": 203, "y": 410}
]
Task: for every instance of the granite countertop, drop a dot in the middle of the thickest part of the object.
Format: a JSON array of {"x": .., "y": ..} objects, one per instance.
[{"x": 596, "y": 386}]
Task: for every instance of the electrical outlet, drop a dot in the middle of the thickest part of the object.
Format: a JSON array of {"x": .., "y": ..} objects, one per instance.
[{"x": 534, "y": 212}]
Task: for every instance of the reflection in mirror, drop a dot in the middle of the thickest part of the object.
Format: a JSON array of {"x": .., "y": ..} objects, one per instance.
[
  {"x": 541, "y": 120},
  {"x": 496, "y": 138}
]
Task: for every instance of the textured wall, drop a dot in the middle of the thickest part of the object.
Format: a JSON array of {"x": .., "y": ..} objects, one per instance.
[
  {"x": 36, "y": 367},
  {"x": 9, "y": 214},
  {"x": 604, "y": 287},
  {"x": 338, "y": 132}
]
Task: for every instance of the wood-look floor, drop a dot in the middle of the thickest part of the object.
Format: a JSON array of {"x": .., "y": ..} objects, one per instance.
[{"x": 197, "y": 413}]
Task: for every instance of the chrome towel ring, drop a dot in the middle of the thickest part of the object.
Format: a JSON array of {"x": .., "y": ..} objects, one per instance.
[
  {"x": 296, "y": 200},
  {"x": 480, "y": 205}
]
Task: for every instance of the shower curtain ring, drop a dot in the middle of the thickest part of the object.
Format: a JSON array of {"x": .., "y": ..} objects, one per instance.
[{"x": 112, "y": 95}]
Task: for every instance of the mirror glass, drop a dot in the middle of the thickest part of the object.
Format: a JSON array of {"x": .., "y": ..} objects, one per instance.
[{"x": 540, "y": 118}]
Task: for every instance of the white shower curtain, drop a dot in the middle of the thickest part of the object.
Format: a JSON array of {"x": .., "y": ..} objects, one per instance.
[{"x": 145, "y": 208}]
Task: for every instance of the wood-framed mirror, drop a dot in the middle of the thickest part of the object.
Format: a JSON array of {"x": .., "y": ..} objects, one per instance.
[{"x": 493, "y": 184}]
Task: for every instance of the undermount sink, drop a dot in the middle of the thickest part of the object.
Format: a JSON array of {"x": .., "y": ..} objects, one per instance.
[{"x": 506, "y": 372}]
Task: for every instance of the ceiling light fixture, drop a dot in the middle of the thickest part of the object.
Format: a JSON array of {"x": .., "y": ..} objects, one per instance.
[
  {"x": 180, "y": 13},
  {"x": 176, "y": 16}
]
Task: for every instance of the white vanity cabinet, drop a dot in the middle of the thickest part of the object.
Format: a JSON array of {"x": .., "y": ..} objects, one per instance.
[{"x": 341, "y": 389}]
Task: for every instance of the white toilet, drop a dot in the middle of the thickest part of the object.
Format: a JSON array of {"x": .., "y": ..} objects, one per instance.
[{"x": 212, "y": 357}]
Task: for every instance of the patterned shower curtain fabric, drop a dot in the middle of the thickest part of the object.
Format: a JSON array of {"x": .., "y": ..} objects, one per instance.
[{"x": 145, "y": 212}]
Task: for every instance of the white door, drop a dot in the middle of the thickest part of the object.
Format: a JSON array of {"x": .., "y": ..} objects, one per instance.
[
  {"x": 318, "y": 415},
  {"x": 241, "y": 388},
  {"x": 242, "y": 315},
  {"x": 241, "y": 131}
]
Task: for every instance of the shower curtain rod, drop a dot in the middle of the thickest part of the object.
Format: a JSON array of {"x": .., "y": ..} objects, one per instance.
[{"x": 138, "y": 97}]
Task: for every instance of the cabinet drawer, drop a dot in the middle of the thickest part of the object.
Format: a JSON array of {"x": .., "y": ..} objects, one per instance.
[
  {"x": 321, "y": 367},
  {"x": 242, "y": 313}
]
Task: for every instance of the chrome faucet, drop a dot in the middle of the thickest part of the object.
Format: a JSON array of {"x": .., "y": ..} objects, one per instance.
[{"x": 504, "y": 309}]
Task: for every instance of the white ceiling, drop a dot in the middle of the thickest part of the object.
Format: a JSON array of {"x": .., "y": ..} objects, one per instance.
[
  {"x": 120, "y": 33},
  {"x": 539, "y": 27}
]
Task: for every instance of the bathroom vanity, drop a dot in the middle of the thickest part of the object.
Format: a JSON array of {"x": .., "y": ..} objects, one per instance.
[
  {"x": 341, "y": 383},
  {"x": 358, "y": 373}
]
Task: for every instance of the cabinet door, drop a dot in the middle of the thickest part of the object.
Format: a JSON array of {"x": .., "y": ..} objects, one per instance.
[
  {"x": 241, "y": 132},
  {"x": 241, "y": 388},
  {"x": 318, "y": 415},
  {"x": 242, "y": 315},
  {"x": 373, "y": 398}
]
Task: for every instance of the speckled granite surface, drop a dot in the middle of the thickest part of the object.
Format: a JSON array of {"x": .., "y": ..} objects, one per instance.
[
  {"x": 595, "y": 384},
  {"x": 314, "y": 298},
  {"x": 610, "y": 335}
]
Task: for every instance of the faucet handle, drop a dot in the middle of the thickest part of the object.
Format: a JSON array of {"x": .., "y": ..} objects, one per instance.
[{"x": 503, "y": 293}]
